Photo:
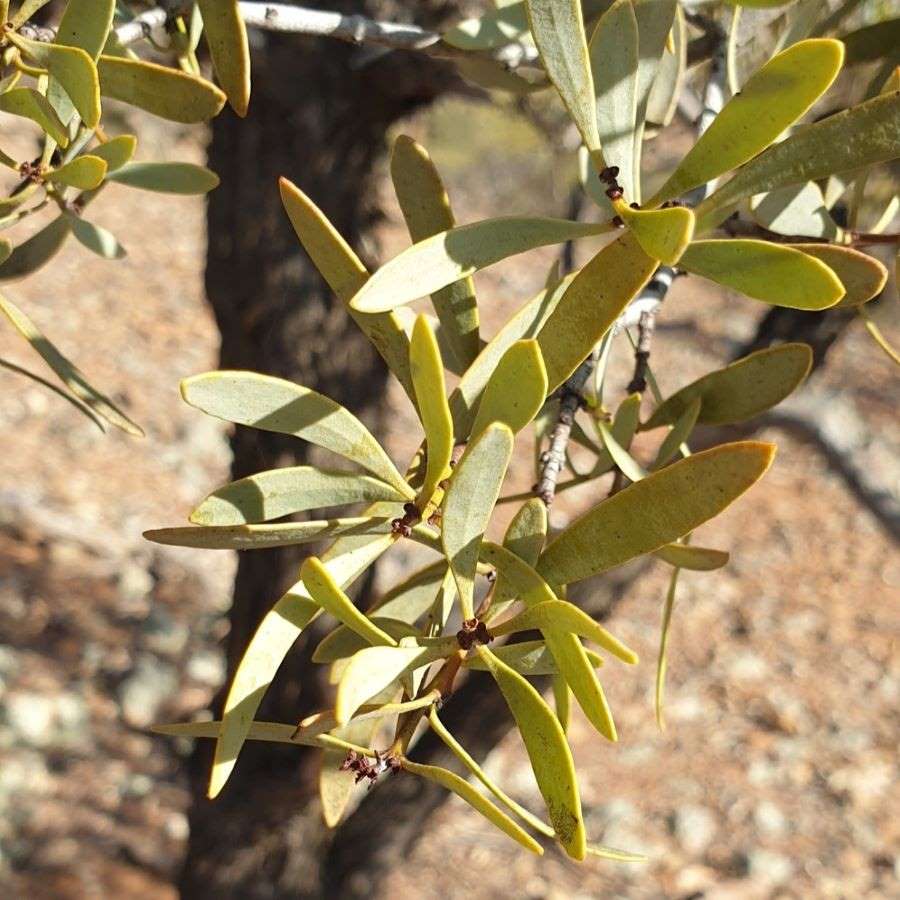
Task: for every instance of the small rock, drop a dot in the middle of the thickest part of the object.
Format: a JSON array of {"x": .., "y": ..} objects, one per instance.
[
  {"x": 31, "y": 716},
  {"x": 769, "y": 819},
  {"x": 162, "y": 634},
  {"x": 135, "y": 584},
  {"x": 144, "y": 692},
  {"x": 695, "y": 828},
  {"x": 207, "y": 667},
  {"x": 769, "y": 867}
]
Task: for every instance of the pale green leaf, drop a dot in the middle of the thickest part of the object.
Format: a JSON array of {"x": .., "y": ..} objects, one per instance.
[
  {"x": 447, "y": 257},
  {"x": 862, "y": 276},
  {"x": 116, "y": 152},
  {"x": 166, "y": 178},
  {"x": 662, "y": 102},
  {"x": 770, "y": 101},
  {"x": 97, "y": 239},
  {"x": 741, "y": 390},
  {"x": 84, "y": 173},
  {"x": 30, "y": 104},
  {"x": 273, "y": 404},
  {"x": 160, "y": 90},
  {"x": 611, "y": 852},
  {"x": 414, "y": 596},
  {"x": 525, "y": 537},
  {"x": 342, "y": 643},
  {"x": 86, "y": 24},
  {"x": 655, "y": 511},
  {"x": 37, "y": 251},
  {"x": 226, "y": 36},
  {"x": 798, "y": 209},
  {"x": 281, "y": 492},
  {"x": 548, "y": 751},
  {"x": 698, "y": 559},
  {"x": 496, "y": 28},
  {"x": 773, "y": 273},
  {"x": 336, "y": 784},
  {"x": 679, "y": 433},
  {"x": 528, "y": 658},
  {"x": 624, "y": 461}
]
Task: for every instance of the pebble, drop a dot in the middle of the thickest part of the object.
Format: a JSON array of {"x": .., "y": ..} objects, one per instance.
[
  {"x": 207, "y": 667},
  {"x": 695, "y": 828},
  {"x": 143, "y": 693},
  {"x": 768, "y": 866},
  {"x": 769, "y": 819}
]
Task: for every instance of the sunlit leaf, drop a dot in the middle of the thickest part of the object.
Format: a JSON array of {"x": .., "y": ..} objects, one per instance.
[
  {"x": 447, "y": 257},
  {"x": 166, "y": 178},
  {"x": 663, "y": 234},
  {"x": 686, "y": 556},
  {"x": 679, "y": 432},
  {"x": 83, "y": 172},
  {"x": 655, "y": 511},
  {"x": 773, "y": 273},
  {"x": 97, "y": 239},
  {"x": 548, "y": 752},
  {"x": 741, "y": 390},
  {"x": 342, "y": 643},
  {"x": 624, "y": 461},
  {"x": 116, "y": 152},
  {"x": 611, "y": 852},
  {"x": 562, "y": 701},
  {"x": 769, "y": 102},
  {"x": 30, "y": 104},
  {"x": 528, "y": 658},
  {"x": 795, "y": 210},
  {"x": 414, "y": 596},
  {"x": 226, "y": 36},
  {"x": 273, "y": 404},
  {"x": 86, "y": 24},
  {"x": 662, "y": 102},
  {"x": 469, "y": 502},
  {"x": 160, "y": 90},
  {"x": 496, "y": 28},
  {"x": 862, "y": 276},
  {"x": 525, "y": 537}
]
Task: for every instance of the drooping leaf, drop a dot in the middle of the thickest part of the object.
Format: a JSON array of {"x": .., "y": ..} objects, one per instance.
[
  {"x": 281, "y": 492},
  {"x": 226, "y": 36},
  {"x": 116, "y": 152},
  {"x": 72, "y": 67},
  {"x": 160, "y": 90},
  {"x": 447, "y": 257},
  {"x": 741, "y": 390},
  {"x": 426, "y": 208},
  {"x": 862, "y": 276},
  {"x": 655, "y": 511},
  {"x": 516, "y": 390},
  {"x": 427, "y": 371},
  {"x": 592, "y": 302},
  {"x": 663, "y": 234},
  {"x": 679, "y": 433},
  {"x": 37, "y": 251},
  {"x": 83, "y": 172},
  {"x": 548, "y": 752},
  {"x": 662, "y": 658},
  {"x": 463, "y": 789},
  {"x": 614, "y": 63},
  {"x": 852, "y": 139},
  {"x": 662, "y": 102},
  {"x": 325, "y": 592},
  {"x": 686, "y": 556},
  {"x": 67, "y": 373},
  {"x": 97, "y": 239},
  {"x": 469, "y": 502},
  {"x": 166, "y": 178},
  {"x": 770, "y": 101},
  {"x": 345, "y": 274},
  {"x": 624, "y": 461},
  {"x": 30, "y": 104},
  {"x": 773, "y": 273},
  {"x": 261, "y": 537},
  {"x": 558, "y": 30},
  {"x": 276, "y": 634},
  {"x": 798, "y": 209},
  {"x": 273, "y": 404}
]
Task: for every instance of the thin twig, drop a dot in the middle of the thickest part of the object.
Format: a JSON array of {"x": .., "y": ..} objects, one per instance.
[{"x": 646, "y": 324}]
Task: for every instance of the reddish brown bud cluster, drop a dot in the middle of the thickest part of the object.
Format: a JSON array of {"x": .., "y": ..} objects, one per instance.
[
  {"x": 668, "y": 204},
  {"x": 473, "y": 632},
  {"x": 609, "y": 176},
  {"x": 30, "y": 171},
  {"x": 411, "y": 516},
  {"x": 363, "y": 767}
]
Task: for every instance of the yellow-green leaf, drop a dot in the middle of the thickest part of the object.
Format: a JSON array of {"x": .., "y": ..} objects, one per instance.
[
  {"x": 86, "y": 24},
  {"x": 562, "y": 701},
  {"x": 770, "y": 101},
  {"x": 591, "y": 304},
  {"x": 160, "y": 90},
  {"x": 413, "y": 596},
  {"x": 84, "y": 173},
  {"x": 611, "y": 852},
  {"x": 614, "y": 63},
  {"x": 528, "y": 658},
  {"x": 447, "y": 257},
  {"x": 773, "y": 273},
  {"x": 862, "y": 276},
  {"x": 116, "y": 152},
  {"x": 226, "y": 35},
  {"x": 469, "y": 502},
  {"x": 655, "y": 511},
  {"x": 663, "y": 234},
  {"x": 426, "y": 208},
  {"x": 325, "y": 592},
  {"x": 30, "y": 104},
  {"x": 686, "y": 556},
  {"x": 525, "y": 537},
  {"x": 516, "y": 390},
  {"x": 619, "y": 455},
  {"x": 797, "y": 209},
  {"x": 427, "y": 371},
  {"x": 282, "y": 492},
  {"x": 345, "y": 274},
  {"x": 166, "y": 178},
  {"x": 679, "y": 433},
  {"x": 741, "y": 390},
  {"x": 343, "y": 642},
  {"x": 67, "y": 373},
  {"x": 668, "y": 83},
  {"x": 852, "y": 139},
  {"x": 273, "y": 404},
  {"x": 37, "y": 251},
  {"x": 463, "y": 789},
  {"x": 548, "y": 751}
]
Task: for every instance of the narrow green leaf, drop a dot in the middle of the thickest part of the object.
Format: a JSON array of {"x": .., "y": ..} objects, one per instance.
[
  {"x": 773, "y": 273},
  {"x": 614, "y": 63},
  {"x": 662, "y": 658},
  {"x": 525, "y": 537},
  {"x": 413, "y": 597},
  {"x": 741, "y": 390},
  {"x": 84, "y": 173},
  {"x": 852, "y": 139},
  {"x": 30, "y": 104},
  {"x": 86, "y": 24},
  {"x": 862, "y": 276},
  {"x": 166, "y": 178},
  {"x": 548, "y": 752},
  {"x": 160, "y": 90},
  {"x": 345, "y": 274},
  {"x": 798, "y": 209},
  {"x": 463, "y": 789},
  {"x": 752, "y": 119},
  {"x": 469, "y": 502},
  {"x": 663, "y": 234},
  {"x": 619, "y": 455},
  {"x": 668, "y": 83},
  {"x": 282, "y": 492},
  {"x": 226, "y": 35},
  {"x": 516, "y": 390},
  {"x": 611, "y": 852},
  {"x": 325, "y": 592},
  {"x": 558, "y": 30},
  {"x": 273, "y": 404},
  {"x": 529, "y": 658},
  {"x": 426, "y": 209},
  {"x": 427, "y": 370},
  {"x": 698, "y": 559},
  {"x": 276, "y": 634},
  {"x": 655, "y": 511},
  {"x": 67, "y": 373},
  {"x": 447, "y": 257},
  {"x": 342, "y": 643},
  {"x": 37, "y": 251},
  {"x": 97, "y": 239},
  {"x": 591, "y": 304},
  {"x": 562, "y": 701},
  {"x": 116, "y": 152},
  {"x": 679, "y": 433}
]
